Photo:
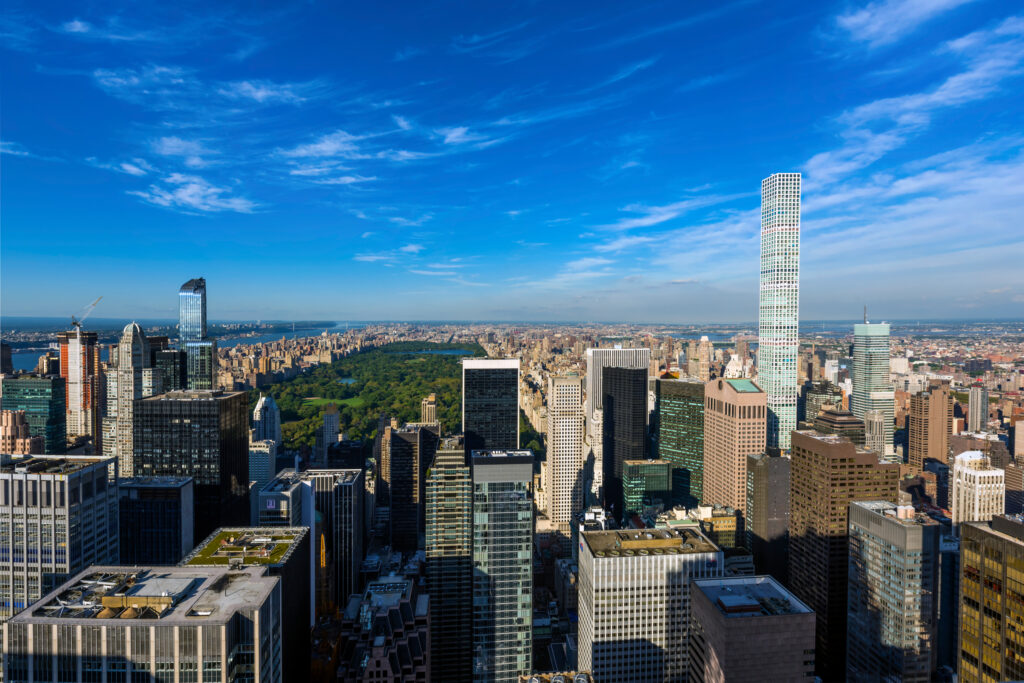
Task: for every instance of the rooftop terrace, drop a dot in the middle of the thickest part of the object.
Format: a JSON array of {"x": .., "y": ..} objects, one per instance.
[{"x": 246, "y": 546}]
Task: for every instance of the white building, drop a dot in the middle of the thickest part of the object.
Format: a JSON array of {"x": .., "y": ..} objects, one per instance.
[
  {"x": 262, "y": 462},
  {"x": 130, "y": 377},
  {"x": 266, "y": 420},
  {"x": 634, "y": 601},
  {"x": 977, "y": 490},
  {"x": 977, "y": 409},
  {"x": 564, "y": 480},
  {"x": 779, "y": 311},
  {"x": 871, "y": 387}
]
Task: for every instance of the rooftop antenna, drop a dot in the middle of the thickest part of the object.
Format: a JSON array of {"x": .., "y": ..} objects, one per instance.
[
  {"x": 86, "y": 312},
  {"x": 865, "y": 314}
]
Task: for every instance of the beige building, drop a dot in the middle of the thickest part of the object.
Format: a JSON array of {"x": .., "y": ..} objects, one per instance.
[
  {"x": 977, "y": 491},
  {"x": 564, "y": 484},
  {"x": 16, "y": 437},
  {"x": 734, "y": 427},
  {"x": 931, "y": 423}
]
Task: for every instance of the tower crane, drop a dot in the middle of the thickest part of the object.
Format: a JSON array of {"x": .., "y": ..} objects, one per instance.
[{"x": 86, "y": 312}]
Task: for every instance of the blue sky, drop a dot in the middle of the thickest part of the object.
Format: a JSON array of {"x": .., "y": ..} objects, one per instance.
[{"x": 521, "y": 161}]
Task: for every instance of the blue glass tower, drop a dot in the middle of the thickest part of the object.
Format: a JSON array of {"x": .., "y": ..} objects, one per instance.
[{"x": 200, "y": 352}]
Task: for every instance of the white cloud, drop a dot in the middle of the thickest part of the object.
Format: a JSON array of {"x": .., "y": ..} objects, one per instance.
[
  {"x": 345, "y": 180},
  {"x": 412, "y": 248},
  {"x": 338, "y": 143},
  {"x": 402, "y": 122},
  {"x": 587, "y": 263},
  {"x": 191, "y": 151},
  {"x": 622, "y": 243},
  {"x": 654, "y": 215},
  {"x": 76, "y": 26},
  {"x": 411, "y": 222},
  {"x": 458, "y": 135},
  {"x": 14, "y": 149},
  {"x": 407, "y": 53},
  {"x": 192, "y": 193},
  {"x": 886, "y": 21},
  {"x": 262, "y": 91},
  {"x": 435, "y": 273},
  {"x": 368, "y": 233},
  {"x": 373, "y": 258}
]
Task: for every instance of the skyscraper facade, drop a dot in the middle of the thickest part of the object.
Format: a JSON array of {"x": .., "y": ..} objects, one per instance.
[
  {"x": 766, "y": 517},
  {"x": 490, "y": 403},
  {"x": 931, "y": 423},
  {"x": 130, "y": 378},
  {"x": 977, "y": 491},
  {"x": 502, "y": 565},
  {"x": 624, "y": 426},
  {"x": 16, "y": 436},
  {"x": 779, "y": 308},
  {"x": 406, "y": 454},
  {"x": 41, "y": 398},
  {"x": 871, "y": 387},
  {"x": 678, "y": 431},
  {"x": 266, "y": 420},
  {"x": 428, "y": 409},
  {"x": 83, "y": 383},
  {"x": 338, "y": 496},
  {"x": 827, "y": 474},
  {"x": 156, "y": 519},
  {"x": 644, "y": 481},
  {"x": 597, "y": 360},
  {"x": 977, "y": 409},
  {"x": 735, "y": 413},
  {"x": 565, "y": 451},
  {"x": 201, "y": 352}
]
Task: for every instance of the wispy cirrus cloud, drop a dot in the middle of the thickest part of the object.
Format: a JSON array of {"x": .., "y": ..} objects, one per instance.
[
  {"x": 345, "y": 180},
  {"x": 412, "y": 248},
  {"x": 622, "y": 74},
  {"x": 113, "y": 31},
  {"x": 655, "y": 215},
  {"x": 14, "y": 149},
  {"x": 411, "y": 222},
  {"x": 193, "y": 153},
  {"x": 407, "y": 53},
  {"x": 435, "y": 273},
  {"x": 191, "y": 194},
  {"x": 481, "y": 41},
  {"x": 374, "y": 258},
  {"x": 885, "y": 21}
]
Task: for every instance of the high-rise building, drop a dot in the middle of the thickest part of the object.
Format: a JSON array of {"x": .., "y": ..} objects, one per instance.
[
  {"x": 977, "y": 409},
  {"x": 815, "y": 396},
  {"x": 262, "y": 462},
  {"x": 111, "y": 623},
  {"x": 173, "y": 367},
  {"x": 977, "y": 490},
  {"x": 406, "y": 454},
  {"x": 428, "y": 409},
  {"x": 766, "y": 517},
  {"x": 16, "y": 435},
  {"x": 502, "y": 565},
  {"x": 779, "y": 309},
  {"x": 827, "y": 473},
  {"x": 266, "y": 420},
  {"x": 156, "y": 519},
  {"x": 130, "y": 377},
  {"x": 490, "y": 403},
  {"x": 283, "y": 552},
  {"x": 201, "y": 352},
  {"x": 678, "y": 436},
  {"x": 42, "y": 400},
  {"x": 565, "y": 451},
  {"x": 449, "y": 551},
  {"x": 597, "y": 360},
  {"x": 748, "y": 629},
  {"x": 871, "y": 387},
  {"x": 84, "y": 384},
  {"x": 735, "y": 411},
  {"x": 203, "y": 435},
  {"x": 634, "y": 601},
  {"x": 704, "y": 358},
  {"x": 338, "y": 497},
  {"x": 327, "y": 434},
  {"x": 991, "y": 555},
  {"x": 623, "y": 427},
  {"x": 6, "y": 360},
  {"x": 892, "y": 622},
  {"x": 57, "y": 516},
  {"x": 643, "y": 482},
  {"x": 835, "y": 420},
  {"x": 931, "y": 423}
]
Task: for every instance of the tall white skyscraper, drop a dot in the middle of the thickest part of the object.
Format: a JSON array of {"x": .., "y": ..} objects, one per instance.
[
  {"x": 977, "y": 409},
  {"x": 977, "y": 490},
  {"x": 871, "y": 387},
  {"x": 565, "y": 450},
  {"x": 779, "y": 310},
  {"x": 130, "y": 377},
  {"x": 266, "y": 420}
]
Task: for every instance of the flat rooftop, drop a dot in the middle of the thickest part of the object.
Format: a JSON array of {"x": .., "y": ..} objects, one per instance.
[
  {"x": 750, "y": 596},
  {"x": 173, "y": 595},
  {"x": 490, "y": 363},
  {"x": 744, "y": 386},
  {"x": 510, "y": 455},
  {"x": 52, "y": 464},
  {"x": 153, "y": 482},
  {"x": 193, "y": 395},
  {"x": 630, "y": 542},
  {"x": 264, "y": 545}
]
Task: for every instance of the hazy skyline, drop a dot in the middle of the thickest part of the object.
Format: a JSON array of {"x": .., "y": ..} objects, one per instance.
[{"x": 513, "y": 162}]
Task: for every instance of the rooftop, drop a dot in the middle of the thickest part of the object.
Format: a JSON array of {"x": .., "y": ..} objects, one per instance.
[
  {"x": 153, "y": 482},
  {"x": 52, "y": 464},
  {"x": 905, "y": 515},
  {"x": 247, "y": 546},
  {"x": 512, "y": 456},
  {"x": 174, "y": 595},
  {"x": 630, "y": 542},
  {"x": 194, "y": 395},
  {"x": 750, "y": 596},
  {"x": 490, "y": 363},
  {"x": 744, "y": 386}
]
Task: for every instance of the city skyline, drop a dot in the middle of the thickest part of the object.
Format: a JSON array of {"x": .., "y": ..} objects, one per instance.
[{"x": 493, "y": 163}]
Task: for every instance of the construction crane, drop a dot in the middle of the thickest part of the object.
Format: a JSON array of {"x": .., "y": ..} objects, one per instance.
[{"x": 86, "y": 312}]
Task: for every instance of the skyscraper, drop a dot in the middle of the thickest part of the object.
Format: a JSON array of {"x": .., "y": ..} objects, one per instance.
[
  {"x": 449, "y": 550},
  {"x": 766, "y": 517},
  {"x": 871, "y": 387},
  {"x": 41, "y": 398},
  {"x": 428, "y": 409},
  {"x": 779, "y": 309},
  {"x": 338, "y": 496},
  {"x": 266, "y": 420},
  {"x": 200, "y": 351},
  {"x": 827, "y": 474},
  {"x": 624, "y": 427},
  {"x": 565, "y": 451},
  {"x": 16, "y": 436},
  {"x": 734, "y": 427},
  {"x": 327, "y": 434},
  {"x": 977, "y": 409},
  {"x": 406, "y": 454},
  {"x": 874, "y": 431},
  {"x": 490, "y": 403},
  {"x": 84, "y": 384},
  {"x": 130, "y": 378},
  {"x": 644, "y": 481},
  {"x": 597, "y": 360},
  {"x": 502, "y": 565},
  {"x": 156, "y": 519},
  {"x": 977, "y": 490},
  {"x": 678, "y": 426},
  {"x": 892, "y": 623},
  {"x": 931, "y": 423}
]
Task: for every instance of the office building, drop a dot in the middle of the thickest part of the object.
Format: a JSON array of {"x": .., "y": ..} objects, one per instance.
[
  {"x": 565, "y": 451},
  {"x": 597, "y": 360},
  {"x": 623, "y": 427},
  {"x": 41, "y": 398},
  {"x": 766, "y": 517},
  {"x": 748, "y": 629},
  {"x": 327, "y": 434},
  {"x": 558, "y": 677},
  {"x": 16, "y": 435},
  {"x": 874, "y": 431},
  {"x": 835, "y": 420},
  {"x": 643, "y": 483},
  {"x": 977, "y": 490},
  {"x": 502, "y": 565},
  {"x": 892, "y": 623},
  {"x": 203, "y": 435},
  {"x": 991, "y": 555},
  {"x": 112, "y": 623},
  {"x": 83, "y": 384},
  {"x": 449, "y": 552},
  {"x": 287, "y": 500},
  {"x": 57, "y": 516},
  {"x": 338, "y": 498},
  {"x": 930, "y": 425},
  {"x": 283, "y": 552},
  {"x": 201, "y": 365},
  {"x": 871, "y": 387},
  {"x": 817, "y": 395},
  {"x": 262, "y": 462},
  {"x": 678, "y": 436},
  {"x": 779, "y": 309},
  {"x": 130, "y": 377},
  {"x": 735, "y": 411},
  {"x": 6, "y": 360},
  {"x": 201, "y": 352},
  {"x": 634, "y": 601},
  {"x": 406, "y": 453},
  {"x": 827, "y": 473},
  {"x": 490, "y": 403},
  {"x": 977, "y": 409},
  {"x": 428, "y": 409},
  {"x": 385, "y": 634},
  {"x": 156, "y": 519},
  {"x": 266, "y": 420},
  {"x": 173, "y": 367}
]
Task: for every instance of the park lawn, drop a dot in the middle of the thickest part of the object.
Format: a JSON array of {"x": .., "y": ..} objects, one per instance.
[{"x": 355, "y": 401}]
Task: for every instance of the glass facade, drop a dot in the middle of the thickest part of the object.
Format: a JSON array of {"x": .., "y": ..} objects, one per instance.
[
  {"x": 43, "y": 400},
  {"x": 871, "y": 387},
  {"x": 643, "y": 481},
  {"x": 678, "y": 431},
  {"x": 192, "y": 311},
  {"x": 490, "y": 404},
  {"x": 624, "y": 426}
]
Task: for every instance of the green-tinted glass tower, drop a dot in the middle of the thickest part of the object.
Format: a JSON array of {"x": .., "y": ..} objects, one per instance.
[
  {"x": 645, "y": 480},
  {"x": 679, "y": 436},
  {"x": 43, "y": 400}
]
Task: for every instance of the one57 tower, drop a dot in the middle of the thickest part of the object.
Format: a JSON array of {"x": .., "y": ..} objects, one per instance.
[{"x": 778, "y": 313}]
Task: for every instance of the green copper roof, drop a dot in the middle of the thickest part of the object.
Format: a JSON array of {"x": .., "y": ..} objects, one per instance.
[{"x": 744, "y": 386}]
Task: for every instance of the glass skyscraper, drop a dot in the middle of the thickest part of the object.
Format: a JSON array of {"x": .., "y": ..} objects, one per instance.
[
  {"x": 201, "y": 353},
  {"x": 871, "y": 387},
  {"x": 678, "y": 427},
  {"x": 490, "y": 403},
  {"x": 779, "y": 311}
]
